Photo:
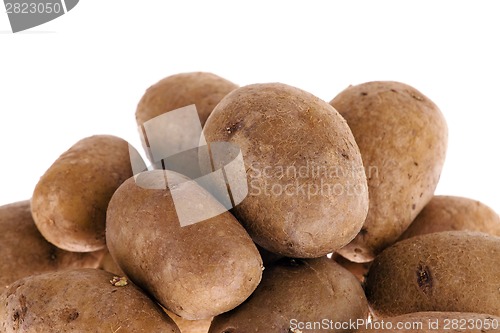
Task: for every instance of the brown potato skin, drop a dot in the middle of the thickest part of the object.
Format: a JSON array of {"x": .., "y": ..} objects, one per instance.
[
  {"x": 24, "y": 251},
  {"x": 203, "y": 89},
  {"x": 80, "y": 300},
  {"x": 439, "y": 322},
  {"x": 402, "y": 136},
  {"x": 196, "y": 271},
  {"x": 447, "y": 213},
  {"x": 301, "y": 289},
  {"x": 279, "y": 126},
  {"x": 70, "y": 200},
  {"x": 446, "y": 271}
]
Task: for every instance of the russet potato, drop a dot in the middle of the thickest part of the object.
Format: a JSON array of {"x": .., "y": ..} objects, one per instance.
[
  {"x": 402, "y": 136},
  {"x": 444, "y": 271},
  {"x": 70, "y": 200},
  {"x": 307, "y": 188},
  {"x": 196, "y": 271}
]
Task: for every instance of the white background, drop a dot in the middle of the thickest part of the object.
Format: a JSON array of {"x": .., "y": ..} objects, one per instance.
[{"x": 83, "y": 73}]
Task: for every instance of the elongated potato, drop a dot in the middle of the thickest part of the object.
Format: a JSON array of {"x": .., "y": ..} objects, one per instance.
[
  {"x": 445, "y": 271},
  {"x": 307, "y": 188},
  {"x": 196, "y": 271},
  {"x": 447, "y": 213},
  {"x": 24, "y": 251},
  {"x": 435, "y": 322},
  {"x": 295, "y": 292},
  {"x": 70, "y": 200},
  {"x": 402, "y": 136},
  {"x": 80, "y": 300}
]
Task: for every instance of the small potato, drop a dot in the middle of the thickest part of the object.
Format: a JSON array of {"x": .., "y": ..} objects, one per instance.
[
  {"x": 196, "y": 271},
  {"x": 24, "y": 251},
  {"x": 435, "y": 322},
  {"x": 307, "y": 188},
  {"x": 295, "y": 293},
  {"x": 80, "y": 300},
  {"x": 402, "y": 136},
  {"x": 447, "y": 213},
  {"x": 446, "y": 271},
  {"x": 70, "y": 200}
]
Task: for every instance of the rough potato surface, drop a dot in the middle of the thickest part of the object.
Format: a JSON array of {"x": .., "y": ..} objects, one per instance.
[
  {"x": 196, "y": 271},
  {"x": 445, "y": 271},
  {"x": 402, "y": 136},
  {"x": 297, "y": 290},
  {"x": 307, "y": 188},
  {"x": 79, "y": 301}
]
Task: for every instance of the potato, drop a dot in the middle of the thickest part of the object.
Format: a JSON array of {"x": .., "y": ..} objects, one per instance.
[
  {"x": 24, "y": 251},
  {"x": 307, "y": 188},
  {"x": 295, "y": 293},
  {"x": 402, "y": 136},
  {"x": 435, "y": 322},
  {"x": 196, "y": 271},
  {"x": 446, "y": 213},
  {"x": 190, "y": 326},
  {"x": 204, "y": 90},
  {"x": 445, "y": 271},
  {"x": 70, "y": 200},
  {"x": 80, "y": 300}
]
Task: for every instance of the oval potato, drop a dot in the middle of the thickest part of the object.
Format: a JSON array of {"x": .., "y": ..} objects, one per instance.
[
  {"x": 446, "y": 271},
  {"x": 447, "y": 213},
  {"x": 307, "y": 188},
  {"x": 295, "y": 292},
  {"x": 24, "y": 251},
  {"x": 402, "y": 136},
  {"x": 70, "y": 200},
  {"x": 80, "y": 300},
  {"x": 196, "y": 271}
]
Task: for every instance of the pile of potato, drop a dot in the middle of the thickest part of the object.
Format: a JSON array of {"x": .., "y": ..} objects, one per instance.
[{"x": 340, "y": 230}]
